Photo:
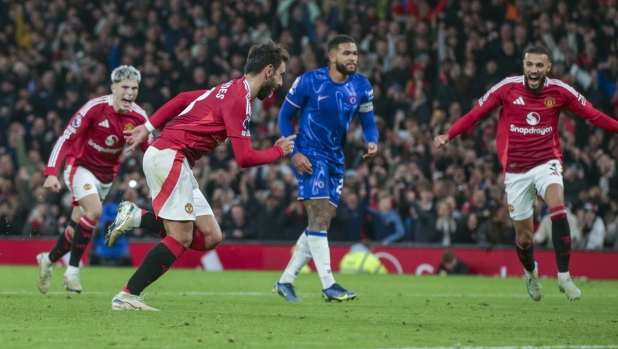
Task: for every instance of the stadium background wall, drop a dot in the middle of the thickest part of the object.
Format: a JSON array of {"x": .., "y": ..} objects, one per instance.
[{"x": 406, "y": 260}]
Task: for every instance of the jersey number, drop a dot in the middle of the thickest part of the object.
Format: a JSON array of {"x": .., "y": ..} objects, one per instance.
[
  {"x": 202, "y": 97},
  {"x": 339, "y": 187}
]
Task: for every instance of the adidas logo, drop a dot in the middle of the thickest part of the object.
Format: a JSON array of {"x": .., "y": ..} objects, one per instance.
[
  {"x": 519, "y": 101},
  {"x": 105, "y": 123}
]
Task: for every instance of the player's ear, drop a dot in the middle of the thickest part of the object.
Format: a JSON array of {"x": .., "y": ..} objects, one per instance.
[
  {"x": 269, "y": 70},
  {"x": 548, "y": 67}
]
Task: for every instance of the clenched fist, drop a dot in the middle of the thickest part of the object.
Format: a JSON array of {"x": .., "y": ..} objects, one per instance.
[{"x": 441, "y": 140}]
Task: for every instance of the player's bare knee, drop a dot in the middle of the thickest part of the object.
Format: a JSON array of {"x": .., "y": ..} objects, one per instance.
[
  {"x": 213, "y": 237},
  {"x": 184, "y": 238},
  {"x": 93, "y": 213},
  {"x": 524, "y": 238}
]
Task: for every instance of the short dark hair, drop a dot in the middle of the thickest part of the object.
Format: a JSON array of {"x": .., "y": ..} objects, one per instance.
[
  {"x": 339, "y": 39},
  {"x": 448, "y": 256},
  {"x": 264, "y": 54},
  {"x": 541, "y": 50}
]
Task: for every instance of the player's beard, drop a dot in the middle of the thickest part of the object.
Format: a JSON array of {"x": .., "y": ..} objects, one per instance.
[
  {"x": 537, "y": 90},
  {"x": 343, "y": 69},
  {"x": 267, "y": 88}
]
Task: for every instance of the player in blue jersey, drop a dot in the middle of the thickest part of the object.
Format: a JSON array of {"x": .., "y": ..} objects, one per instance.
[{"x": 328, "y": 99}]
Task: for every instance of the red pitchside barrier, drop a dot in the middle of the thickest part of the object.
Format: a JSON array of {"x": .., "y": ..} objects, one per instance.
[{"x": 406, "y": 260}]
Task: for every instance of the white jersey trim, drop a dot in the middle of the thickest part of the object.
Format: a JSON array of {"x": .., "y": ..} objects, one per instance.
[
  {"x": 563, "y": 85},
  {"x": 511, "y": 80},
  {"x": 96, "y": 101}
]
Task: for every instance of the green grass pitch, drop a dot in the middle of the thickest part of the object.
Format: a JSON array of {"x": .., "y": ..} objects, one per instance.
[{"x": 237, "y": 310}]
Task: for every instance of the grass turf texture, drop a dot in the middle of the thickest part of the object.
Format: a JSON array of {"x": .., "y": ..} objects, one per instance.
[{"x": 236, "y": 309}]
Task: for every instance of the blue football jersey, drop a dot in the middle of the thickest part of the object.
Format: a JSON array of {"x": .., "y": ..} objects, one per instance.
[{"x": 326, "y": 110}]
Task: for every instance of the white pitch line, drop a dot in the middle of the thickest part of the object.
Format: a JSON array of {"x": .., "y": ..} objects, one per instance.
[
  {"x": 423, "y": 295},
  {"x": 521, "y": 347}
]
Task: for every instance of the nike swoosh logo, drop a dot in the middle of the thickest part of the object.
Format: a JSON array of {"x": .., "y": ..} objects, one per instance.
[{"x": 322, "y": 97}]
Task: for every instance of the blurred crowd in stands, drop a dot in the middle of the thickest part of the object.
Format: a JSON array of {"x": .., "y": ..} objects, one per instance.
[{"x": 428, "y": 60}]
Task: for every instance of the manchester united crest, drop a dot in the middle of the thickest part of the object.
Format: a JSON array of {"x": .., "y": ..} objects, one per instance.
[
  {"x": 129, "y": 127},
  {"x": 189, "y": 208},
  {"x": 549, "y": 102},
  {"x": 87, "y": 186}
]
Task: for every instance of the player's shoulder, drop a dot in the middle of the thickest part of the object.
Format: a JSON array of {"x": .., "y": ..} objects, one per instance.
[
  {"x": 233, "y": 93},
  {"x": 137, "y": 110},
  {"x": 316, "y": 74},
  {"x": 508, "y": 83},
  {"x": 96, "y": 104},
  {"x": 232, "y": 90},
  {"x": 560, "y": 87},
  {"x": 360, "y": 80}
]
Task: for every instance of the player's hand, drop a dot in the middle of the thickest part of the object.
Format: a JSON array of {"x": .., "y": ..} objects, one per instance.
[
  {"x": 441, "y": 140},
  {"x": 372, "y": 150},
  {"x": 52, "y": 184},
  {"x": 302, "y": 164},
  {"x": 286, "y": 144},
  {"x": 135, "y": 136}
]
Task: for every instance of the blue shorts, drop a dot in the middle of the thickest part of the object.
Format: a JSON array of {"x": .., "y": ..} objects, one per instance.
[{"x": 324, "y": 182}]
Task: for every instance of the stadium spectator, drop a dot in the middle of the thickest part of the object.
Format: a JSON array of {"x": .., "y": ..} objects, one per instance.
[
  {"x": 593, "y": 229},
  {"x": 237, "y": 225},
  {"x": 387, "y": 224},
  {"x": 451, "y": 265}
]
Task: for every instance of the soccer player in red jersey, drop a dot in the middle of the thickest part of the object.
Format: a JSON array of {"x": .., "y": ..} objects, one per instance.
[
  {"x": 91, "y": 144},
  {"x": 208, "y": 120},
  {"x": 528, "y": 146}
]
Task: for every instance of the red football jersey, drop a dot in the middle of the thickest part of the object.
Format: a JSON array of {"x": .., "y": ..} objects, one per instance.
[
  {"x": 208, "y": 119},
  {"x": 94, "y": 138},
  {"x": 528, "y": 126}
]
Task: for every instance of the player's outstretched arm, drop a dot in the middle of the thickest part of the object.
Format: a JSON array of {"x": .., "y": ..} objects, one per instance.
[
  {"x": 580, "y": 106},
  {"x": 486, "y": 104},
  {"x": 246, "y": 156}
]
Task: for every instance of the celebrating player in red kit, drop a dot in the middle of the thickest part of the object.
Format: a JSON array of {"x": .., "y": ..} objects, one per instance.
[
  {"x": 91, "y": 143},
  {"x": 208, "y": 120},
  {"x": 529, "y": 149}
]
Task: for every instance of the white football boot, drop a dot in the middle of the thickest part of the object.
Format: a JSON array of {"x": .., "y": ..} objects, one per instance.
[
  {"x": 71, "y": 281},
  {"x": 566, "y": 286},
  {"x": 535, "y": 290},
  {"x": 127, "y": 301},
  {"x": 45, "y": 271},
  {"x": 124, "y": 222}
]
